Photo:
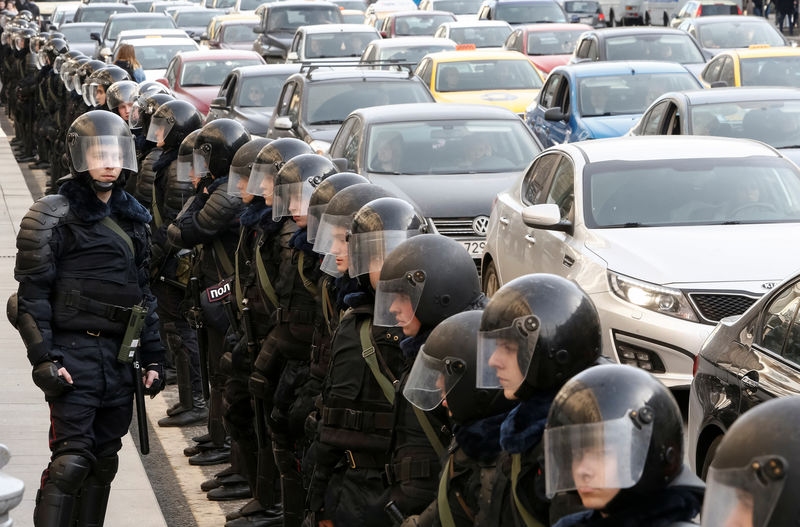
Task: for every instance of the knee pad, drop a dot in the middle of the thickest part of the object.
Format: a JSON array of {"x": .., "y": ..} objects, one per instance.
[
  {"x": 105, "y": 468},
  {"x": 68, "y": 471}
]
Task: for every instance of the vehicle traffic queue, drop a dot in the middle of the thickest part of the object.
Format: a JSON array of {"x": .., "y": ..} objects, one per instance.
[{"x": 353, "y": 370}]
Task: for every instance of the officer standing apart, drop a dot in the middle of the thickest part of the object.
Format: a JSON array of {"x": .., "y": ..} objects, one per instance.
[{"x": 83, "y": 265}]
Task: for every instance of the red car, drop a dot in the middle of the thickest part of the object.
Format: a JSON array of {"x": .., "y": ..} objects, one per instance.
[
  {"x": 196, "y": 76},
  {"x": 414, "y": 23},
  {"x": 546, "y": 45}
]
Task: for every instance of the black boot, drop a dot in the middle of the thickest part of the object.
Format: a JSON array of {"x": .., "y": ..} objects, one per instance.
[
  {"x": 95, "y": 491},
  {"x": 198, "y": 414},
  {"x": 57, "y": 500}
]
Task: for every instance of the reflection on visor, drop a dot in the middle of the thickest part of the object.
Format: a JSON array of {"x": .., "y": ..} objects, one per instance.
[
  {"x": 315, "y": 213},
  {"x": 238, "y": 178},
  {"x": 200, "y": 162},
  {"x": 329, "y": 267},
  {"x": 396, "y": 300},
  {"x": 184, "y": 169},
  {"x": 159, "y": 129},
  {"x": 291, "y": 199},
  {"x": 431, "y": 380},
  {"x": 89, "y": 153},
  {"x": 262, "y": 180},
  {"x": 135, "y": 119},
  {"x": 509, "y": 350},
  {"x": 332, "y": 232},
  {"x": 368, "y": 250}
]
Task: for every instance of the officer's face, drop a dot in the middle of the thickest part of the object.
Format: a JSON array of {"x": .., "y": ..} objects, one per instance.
[
  {"x": 124, "y": 109},
  {"x": 267, "y": 189},
  {"x": 101, "y": 161},
  {"x": 590, "y": 469},
  {"x": 241, "y": 186},
  {"x": 296, "y": 210},
  {"x": 339, "y": 248},
  {"x": 504, "y": 361},
  {"x": 742, "y": 513},
  {"x": 101, "y": 95},
  {"x": 160, "y": 137},
  {"x": 441, "y": 386},
  {"x": 403, "y": 311}
]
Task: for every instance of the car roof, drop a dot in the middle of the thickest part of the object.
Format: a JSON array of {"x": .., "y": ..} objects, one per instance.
[
  {"x": 167, "y": 41},
  {"x": 477, "y": 54},
  {"x": 337, "y": 28},
  {"x": 723, "y": 95},
  {"x": 765, "y": 51},
  {"x": 403, "y": 42},
  {"x": 104, "y": 5},
  {"x": 221, "y": 54},
  {"x": 429, "y": 111},
  {"x": 268, "y": 69},
  {"x": 300, "y": 3},
  {"x": 712, "y": 2},
  {"x": 665, "y": 147},
  {"x": 531, "y": 28},
  {"x": 626, "y": 31},
  {"x": 620, "y": 67},
  {"x": 423, "y": 14},
  {"x": 716, "y": 19},
  {"x": 477, "y": 23},
  {"x": 495, "y": 2},
  {"x": 137, "y": 14},
  {"x": 334, "y": 74},
  {"x": 235, "y": 19},
  {"x": 83, "y": 24},
  {"x": 152, "y": 33},
  {"x": 195, "y": 9}
]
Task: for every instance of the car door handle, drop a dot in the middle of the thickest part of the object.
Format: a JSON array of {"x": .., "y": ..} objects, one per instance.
[
  {"x": 568, "y": 261},
  {"x": 504, "y": 220},
  {"x": 750, "y": 384},
  {"x": 530, "y": 239}
]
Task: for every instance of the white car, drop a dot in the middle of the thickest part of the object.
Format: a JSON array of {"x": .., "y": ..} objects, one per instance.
[
  {"x": 154, "y": 54},
  {"x": 668, "y": 235},
  {"x": 482, "y": 34}
]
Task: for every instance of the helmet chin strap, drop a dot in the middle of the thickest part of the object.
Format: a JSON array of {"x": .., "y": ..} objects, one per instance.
[{"x": 102, "y": 186}]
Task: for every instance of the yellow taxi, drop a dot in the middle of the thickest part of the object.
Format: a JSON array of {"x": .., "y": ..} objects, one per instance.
[
  {"x": 758, "y": 65},
  {"x": 493, "y": 77}
]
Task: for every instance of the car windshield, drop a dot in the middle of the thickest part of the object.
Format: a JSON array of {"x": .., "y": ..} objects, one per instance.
[
  {"x": 704, "y": 191},
  {"x": 672, "y": 48},
  {"x": 239, "y": 32},
  {"x": 770, "y": 71},
  {"x": 155, "y": 22},
  {"x": 78, "y": 34},
  {"x": 94, "y": 14},
  {"x": 719, "y": 9},
  {"x": 776, "y": 123},
  {"x": 223, "y": 4},
  {"x": 738, "y": 35},
  {"x": 412, "y": 54},
  {"x": 211, "y": 72},
  {"x": 288, "y": 19},
  {"x": 449, "y": 147},
  {"x": 581, "y": 6},
  {"x": 482, "y": 37},
  {"x": 332, "y": 102},
  {"x": 628, "y": 94},
  {"x": 517, "y": 13},
  {"x": 360, "y": 5},
  {"x": 250, "y": 5},
  {"x": 157, "y": 57},
  {"x": 458, "y": 7},
  {"x": 478, "y": 75},
  {"x": 261, "y": 91},
  {"x": 419, "y": 24},
  {"x": 195, "y": 18},
  {"x": 552, "y": 42},
  {"x": 326, "y": 45}
]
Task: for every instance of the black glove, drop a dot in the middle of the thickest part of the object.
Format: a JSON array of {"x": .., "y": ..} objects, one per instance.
[
  {"x": 46, "y": 377},
  {"x": 158, "y": 384}
]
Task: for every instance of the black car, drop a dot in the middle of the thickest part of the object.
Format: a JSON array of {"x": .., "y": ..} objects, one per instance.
[
  {"x": 719, "y": 33},
  {"x": 280, "y": 20},
  {"x": 249, "y": 94},
  {"x": 194, "y": 20},
  {"x": 745, "y": 361},
  {"x": 585, "y": 12},
  {"x": 314, "y": 103},
  {"x": 517, "y": 12}
]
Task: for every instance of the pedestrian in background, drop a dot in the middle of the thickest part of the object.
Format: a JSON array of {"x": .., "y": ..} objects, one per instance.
[{"x": 126, "y": 59}]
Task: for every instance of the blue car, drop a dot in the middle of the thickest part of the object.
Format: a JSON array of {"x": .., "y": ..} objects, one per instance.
[{"x": 601, "y": 99}]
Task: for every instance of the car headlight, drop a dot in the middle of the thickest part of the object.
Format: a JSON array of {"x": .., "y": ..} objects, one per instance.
[
  {"x": 320, "y": 147},
  {"x": 660, "y": 299},
  {"x": 105, "y": 52}
]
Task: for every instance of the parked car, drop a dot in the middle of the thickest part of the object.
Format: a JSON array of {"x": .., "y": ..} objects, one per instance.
[
  {"x": 626, "y": 12},
  {"x": 600, "y": 100},
  {"x": 234, "y": 33},
  {"x": 414, "y": 23},
  {"x": 125, "y": 21},
  {"x": 133, "y": 36},
  {"x": 482, "y": 34},
  {"x": 379, "y": 10},
  {"x": 747, "y": 360},
  {"x": 586, "y": 12},
  {"x": 63, "y": 13},
  {"x": 408, "y": 50},
  {"x": 653, "y": 229},
  {"x": 280, "y": 20},
  {"x": 754, "y": 67},
  {"x": 194, "y": 20},
  {"x": 79, "y": 36},
  {"x": 699, "y": 8},
  {"x": 517, "y": 12},
  {"x": 196, "y": 76},
  {"x": 142, "y": 6},
  {"x": 546, "y": 45},
  {"x": 164, "y": 6},
  {"x": 721, "y": 33},
  {"x": 463, "y": 9},
  {"x": 249, "y": 95},
  {"x": 247, "y": 7},
  {"x": 332, "y": 42},
  {"x": 423, "y": 152},
  {"x": 314, "y": 103},
  {"x": 100, "y": 12},
  {"x": 155, "y": 54},
  {"x": 769, "y": 115},
  {"x": 353, "y": 16}
]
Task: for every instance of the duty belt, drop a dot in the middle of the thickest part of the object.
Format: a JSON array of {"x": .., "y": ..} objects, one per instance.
[
  {"x": 357, "y": 420},
  {"x": 110, "y": 312},
  {"x": 410, "y": 468},
  {"x": 361, "y": 460}
]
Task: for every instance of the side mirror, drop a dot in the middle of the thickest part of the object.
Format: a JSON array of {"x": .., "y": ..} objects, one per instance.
[
  {"x": 292, "y": 56},
  {"x": 95, "y": 37},
  {"x": 545, "y": 216},
  {"x": 219, "y": 102},
  {"x": 283, "y": 123},
  {"x": 163, "y": 81},
  {"x": 384, "y": 34},
  {"x": 554, "y": 114},
  {"x": 719, "y": 84},
  {"x": 340, "y": 163}
]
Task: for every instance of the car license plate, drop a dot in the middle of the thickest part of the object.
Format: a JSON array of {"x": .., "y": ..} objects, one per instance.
[
  {"x": 587, "y": 20},
  {"x": 474, "y": 247}
]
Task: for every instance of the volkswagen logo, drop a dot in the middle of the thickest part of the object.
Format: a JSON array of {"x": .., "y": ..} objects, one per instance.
[
  {"x": 767, "y": 285},
  {"x": 480, "y": 225}
]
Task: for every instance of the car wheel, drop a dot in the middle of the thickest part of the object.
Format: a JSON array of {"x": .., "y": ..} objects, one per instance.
[
  {"x": 709, "y": 458},
  {"x": 491, "y": 282}
]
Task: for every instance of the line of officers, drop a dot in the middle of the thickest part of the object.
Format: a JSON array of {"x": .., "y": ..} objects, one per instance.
[{"x": 349, "y": 358}]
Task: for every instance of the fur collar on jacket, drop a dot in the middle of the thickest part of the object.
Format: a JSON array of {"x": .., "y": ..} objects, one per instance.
[
  {"x": 84, "y": 203},
  {"x": 523, "y": 428}
]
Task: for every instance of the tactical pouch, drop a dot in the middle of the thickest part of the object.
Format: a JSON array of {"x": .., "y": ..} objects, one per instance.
[
  {"x": 183, "y": 272},
  {"x": 131, "y": 339}
]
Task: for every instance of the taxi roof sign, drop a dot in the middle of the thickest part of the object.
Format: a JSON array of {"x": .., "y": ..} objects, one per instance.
[{"x": 466, "y": 47}]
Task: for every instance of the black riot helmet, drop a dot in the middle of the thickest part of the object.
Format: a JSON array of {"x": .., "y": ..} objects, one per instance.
[
  {"x": 100, "y": 140},
  {"x": 70, "y": 71},
  {"x": 120, "y": 97},
  {"x": 322, "y": 195},
  {"x": 445, "y": 368},
  {"x": 271, "y": 159},
  {"x": 143, "y": 109},
  {"x": 331, "y": 240},
  {"x": 242, "y": 165},
  {"x": 377, "y": 228},
  {"x": 185, "y": 166},
  {"x": 295, "y": 181},
  {"x": 430, "y": 277},
  {"x": 97, "y": 84},
  {"x": 151, "y": 87},
  {"x": 80, "y": 76},
  {"x": 216, "y": 145},
  {"x": 22, "y": 38},
  {"x": 25, "y": 15},
  {"x": 56, "y": 34},
  {"x": 53, "y": 49},
  {"x": 546, "y": 322},
  {"x": 755, "y": 474},
  {"x": 172, "y": 122},
  {"x": 630, "y": 422}
]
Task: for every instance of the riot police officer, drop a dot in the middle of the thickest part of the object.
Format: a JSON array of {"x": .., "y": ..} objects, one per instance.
[
  {"x": 82, "y": 267},
  {"x": 99, "y": 81},
  {"x": 120, "y": 97}
]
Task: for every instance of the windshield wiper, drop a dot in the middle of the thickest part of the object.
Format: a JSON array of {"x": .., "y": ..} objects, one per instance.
[{"x": 329, "y": 121}]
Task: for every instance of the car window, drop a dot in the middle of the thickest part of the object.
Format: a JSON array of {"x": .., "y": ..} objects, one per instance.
[
  {"x": 477, "y": 75},
  {"x": 534, "y": 183},
  {"x": 646, "y": 46},
  {"x": 511, "y": 41},
  {"x": 673, "y": 120},
  {"x": 550, "y": 90},
  {"x": 211, "y": 72},
  {"x": 653, "y": 121},
  {"x": 294, "y": 105},
  {"x": 332, "y": 102},
  {"x": 711, "y": 73},
  {"x": 780, "y": 333},
  {"x": 426, "y": 71},
  {"x": 561, "y": 99},
  {"x": 556, "y": 42},
  {"x": 172, "y": 72},
  {"x": 351, "y": 146},
  {"x": 260, "y": 91},
  {"x": 227, "y": 88},
  {"x": 337, "y": 147},
  {"x": 288, "y": 91},
  {"x": 296, "y": 42},
  {"x": 562, "y": 189},
  {"x": 591, "y": 54},
  {"x": 583, "y": 49},
  {"x": 726, "y": 73}
]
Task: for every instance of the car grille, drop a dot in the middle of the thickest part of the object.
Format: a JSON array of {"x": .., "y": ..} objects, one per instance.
[
  {"x": 713, "y": 307},
  {"x": 456, "y": 227}
]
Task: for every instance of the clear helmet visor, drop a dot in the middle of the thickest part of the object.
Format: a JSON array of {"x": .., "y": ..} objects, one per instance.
[
  {"x": 159, "y": 129},
  {"x": 396, "y": 300},
  {"x": 315, "y": 213},
  {"x": 184, "y": 170},
  {"x": 602, "y": 455},
  {"x": 57, "y": 64},
  {"x": 77, "y": 84},
  {"x": 136, "y": 116},
  {"x": 38, "y": 60},
  {"x": 85, "y": 88},
  {"x": 238, "y": 178},
  {"x": 200, "y": 161},
  {"x": 431, "y": 379},
  {"x": 332, "y": 231},
  {"x": 368, "y": 250},
  {"x": 104, "y": 151},
  {"x": 504, "y": 355},
  {"x": 291, "y": 199},
  {"x": 262, "y": 181},
  {"x": 330, "y": 266},
  {"x": 744, "y": 496}
]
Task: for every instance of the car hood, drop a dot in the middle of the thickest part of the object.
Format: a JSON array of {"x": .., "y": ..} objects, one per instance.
[
  {"x": 200, "y": 96},
  {"x": 515, "y": 100},
  {"x": 696, "y": 69},
  {"x": 611, "y": 125},
  {"x": 468, "y": 195},
  {"x": 246, "y": 46},
  {"x": 547, "y": 62},
  {"x": 255, "y": 118},
  {"x": 281, "y": 39},
  {"x": 87, "y": 48},
  {"x": 324, "y": 132},
  {"x": 701, "y": 254}
]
